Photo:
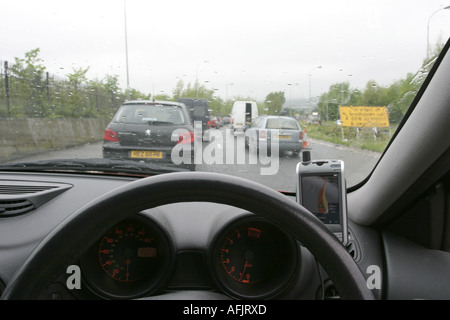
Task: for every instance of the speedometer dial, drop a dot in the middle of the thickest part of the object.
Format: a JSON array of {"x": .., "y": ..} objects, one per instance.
[
  {"x": 247, "y": 254},
  {"x": 128, "y": 251},
  {"x": 253, "y": 259}
]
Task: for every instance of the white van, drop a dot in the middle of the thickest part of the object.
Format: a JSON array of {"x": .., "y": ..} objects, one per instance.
[{"x": 242, "y": 114}]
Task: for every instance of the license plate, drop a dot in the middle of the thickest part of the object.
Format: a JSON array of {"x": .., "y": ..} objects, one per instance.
[
  {"x": 146, "y": 154},
  {"x": 283, "y": 137}
]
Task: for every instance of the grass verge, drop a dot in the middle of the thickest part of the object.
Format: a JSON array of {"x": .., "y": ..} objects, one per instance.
[{"x": 363, "y": 138}]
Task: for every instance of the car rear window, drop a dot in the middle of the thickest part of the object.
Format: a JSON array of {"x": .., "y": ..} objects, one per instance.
[
  {"x": 200, "y": 111},
  {"x": 282, "y": 124},
  {"x": 160, "y": 114}
]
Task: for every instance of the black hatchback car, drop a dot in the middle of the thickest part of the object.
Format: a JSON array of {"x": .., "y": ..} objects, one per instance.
[{"x": 151, "y": 131}]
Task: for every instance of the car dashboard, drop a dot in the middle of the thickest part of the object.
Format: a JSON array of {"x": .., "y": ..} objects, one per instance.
[{"x": 173, "y": 248}]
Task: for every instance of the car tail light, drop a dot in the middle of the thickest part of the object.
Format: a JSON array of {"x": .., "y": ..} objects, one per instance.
[
  {"x": 300, "y": 135},
  {"x": 262, "y": 134},
  {"x": 111, "y": 135},
  {"x": 232, "y": 120},
  {"x": 208, "y": 124},
  {"x": 186, "y": 137}
]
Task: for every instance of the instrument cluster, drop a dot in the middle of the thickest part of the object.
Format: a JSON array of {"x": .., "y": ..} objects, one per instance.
[{"x": 247, "y": 258}]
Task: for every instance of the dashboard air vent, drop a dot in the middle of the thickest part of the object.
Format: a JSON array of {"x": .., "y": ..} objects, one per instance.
[
  {"x": 9, "y": 208},
  {"x": 19, "y": 197},
  {"x": 22, "y": 189},
  {"x": 352, "y": 250},
  {"x": 353, "y": 246}
]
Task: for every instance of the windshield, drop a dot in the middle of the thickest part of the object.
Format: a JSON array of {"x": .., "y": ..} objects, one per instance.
[
  {"x": 141, "y": 113},
  {"x": 344, "y": 73},
  {"x": 282, "y": 124}
]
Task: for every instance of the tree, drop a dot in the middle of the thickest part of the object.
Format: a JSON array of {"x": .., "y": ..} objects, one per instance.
[
  {"x": 371, "y": 95},
  {"x": 178, "y": 90},
  {"x": 134, "y": 94},
  {"x": 77, "y": 77},
  {"x": 28, "y": 75},
  {"x": 338, "y": 94},
  {"x": 30, "y": 67},
  {"x": 162, "y": 96},
  {"x": 274, "y": 102},
  {"x": 201, "y": 92},
  {"x": 75, "y": 103}
]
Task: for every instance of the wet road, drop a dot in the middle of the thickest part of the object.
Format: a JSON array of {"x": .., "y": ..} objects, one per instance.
[
  {"x": 275, "y": 172},
  {"x": 358, "y": 164}
]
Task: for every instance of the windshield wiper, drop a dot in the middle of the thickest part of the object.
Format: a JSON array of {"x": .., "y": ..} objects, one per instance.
[{"x": 113, "y": 166}]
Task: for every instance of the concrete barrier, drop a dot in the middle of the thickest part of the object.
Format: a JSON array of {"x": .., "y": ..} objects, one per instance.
[{"x": 22, "y": 137}]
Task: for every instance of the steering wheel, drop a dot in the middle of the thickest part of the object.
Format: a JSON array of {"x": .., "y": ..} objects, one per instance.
[{"x": 72, "y": 237}]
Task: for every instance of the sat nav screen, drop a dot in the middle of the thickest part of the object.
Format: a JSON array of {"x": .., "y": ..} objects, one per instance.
[{"x": 320, "y": 195}]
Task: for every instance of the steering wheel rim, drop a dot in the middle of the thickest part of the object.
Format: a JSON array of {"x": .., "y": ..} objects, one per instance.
[{"x": 72, "y": 237}]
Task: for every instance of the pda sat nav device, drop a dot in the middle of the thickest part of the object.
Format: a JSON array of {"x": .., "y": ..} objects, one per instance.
[{"x": 321, "y": 189}]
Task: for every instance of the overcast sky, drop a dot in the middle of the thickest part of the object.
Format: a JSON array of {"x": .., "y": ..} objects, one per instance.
[{"x": 238, "y": 47}]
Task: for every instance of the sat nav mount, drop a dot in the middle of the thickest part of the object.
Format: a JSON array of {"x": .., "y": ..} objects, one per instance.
[{"x": 321, "y": 189}]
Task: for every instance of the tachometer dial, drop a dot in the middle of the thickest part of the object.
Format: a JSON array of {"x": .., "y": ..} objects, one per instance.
[
  {"x": 128, "y": 251},
  {"x": 132, "y": 259}
]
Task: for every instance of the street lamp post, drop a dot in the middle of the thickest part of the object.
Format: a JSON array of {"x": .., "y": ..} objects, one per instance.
[
  {"x": 310, "y": 75},
  {"x": 126, "y": 46},
  {"x": 196, "y": 76},
  {"x": 428, "y": 29},
  {"x": 226, "y": 91},
  {"x": 290, "y": 97}
]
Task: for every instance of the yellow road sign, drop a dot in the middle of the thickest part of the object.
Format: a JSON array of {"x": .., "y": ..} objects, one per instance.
[{"x": 364, "y": 116}]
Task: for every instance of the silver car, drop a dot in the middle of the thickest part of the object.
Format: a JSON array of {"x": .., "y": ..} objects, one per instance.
[{"x": 275, "y": 131}]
